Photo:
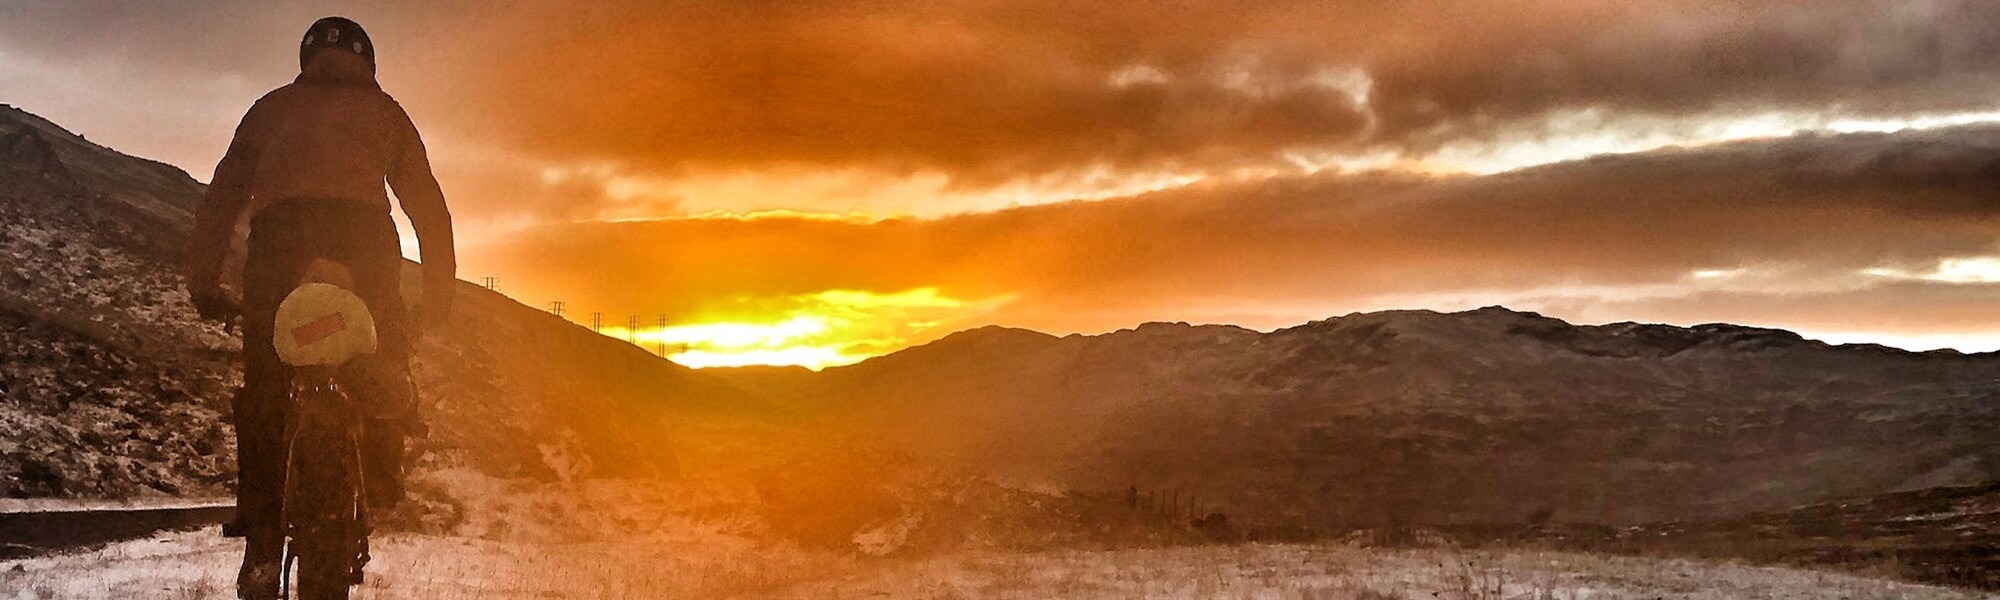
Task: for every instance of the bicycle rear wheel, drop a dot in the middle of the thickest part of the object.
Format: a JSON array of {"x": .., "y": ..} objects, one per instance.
[{"x": 325, "y": 515}]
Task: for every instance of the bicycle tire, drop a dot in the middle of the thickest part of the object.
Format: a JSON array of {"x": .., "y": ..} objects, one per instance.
[{"x": 324, "y": 505}]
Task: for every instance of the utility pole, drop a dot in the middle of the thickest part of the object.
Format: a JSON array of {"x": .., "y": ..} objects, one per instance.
[
  {"x": 597, "y": 322},
  {"x": 556, "y": 308},
  {"x": 632, "y": 329},
  {"x": 662, "y": 341},
  {"x": 490, "y": 283}
]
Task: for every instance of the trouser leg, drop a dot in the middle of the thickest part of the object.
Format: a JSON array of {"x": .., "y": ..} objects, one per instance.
[
  {"x": 260, "y": 445},
  {"x": 261, "y": 410}
]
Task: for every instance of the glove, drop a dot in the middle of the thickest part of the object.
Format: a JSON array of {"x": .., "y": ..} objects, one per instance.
[
  {"x": 212, "y": 304},
  {"x": 436, "y": 306}
]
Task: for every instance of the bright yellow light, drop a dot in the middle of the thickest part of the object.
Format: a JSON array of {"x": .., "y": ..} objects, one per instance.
[
  {"x": 858, "y": 217},
  {"x": 812, "y": 358},
  {"x": 817, "y": 330},
  {"x": 738, "y": 335}
]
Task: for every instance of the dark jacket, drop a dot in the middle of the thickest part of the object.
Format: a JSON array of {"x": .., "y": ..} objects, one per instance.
[{"x": 335, "y": 136}]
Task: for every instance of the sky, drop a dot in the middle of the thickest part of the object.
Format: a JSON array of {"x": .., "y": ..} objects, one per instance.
[{"x": 817, "y": 183}]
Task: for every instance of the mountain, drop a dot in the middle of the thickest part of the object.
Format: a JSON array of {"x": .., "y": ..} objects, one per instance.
[
  {"x": 1488, "y": 415},
  {"x": 110, "y": 386}
]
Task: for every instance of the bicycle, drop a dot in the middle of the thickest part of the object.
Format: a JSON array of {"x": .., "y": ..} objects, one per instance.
[{"x": 321, "y": 326}]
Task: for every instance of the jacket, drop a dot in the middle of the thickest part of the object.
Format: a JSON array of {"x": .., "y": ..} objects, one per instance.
[{"x": 332, "y": 135}]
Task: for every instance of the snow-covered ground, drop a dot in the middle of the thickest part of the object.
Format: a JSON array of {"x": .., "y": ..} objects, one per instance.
[
  {"x": 28, "y": 505},
  {"x": 708, "y": 564},
  {"x": 202, "y": 564},
  {"x": 1305, "y": 572}
]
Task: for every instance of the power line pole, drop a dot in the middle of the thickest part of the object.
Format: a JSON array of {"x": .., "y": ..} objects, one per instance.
[
  {"x": 632, "y": 329},
  {"x": 490, "y": 283},
  {"x": 597, "y": 322},
  {"x": 556, "y": 308},
  {"x": 662, "y": 341}
]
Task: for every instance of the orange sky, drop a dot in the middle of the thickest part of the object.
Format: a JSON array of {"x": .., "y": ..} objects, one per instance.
[{"x": 817, "y": 183}]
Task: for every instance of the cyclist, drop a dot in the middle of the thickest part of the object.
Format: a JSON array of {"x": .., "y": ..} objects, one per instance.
[{"x": 307, "y": 168}]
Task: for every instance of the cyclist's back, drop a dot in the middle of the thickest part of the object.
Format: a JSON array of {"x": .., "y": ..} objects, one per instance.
[
  {"x": 307, "y": 166},
  {"x": 332, "y": 134}
]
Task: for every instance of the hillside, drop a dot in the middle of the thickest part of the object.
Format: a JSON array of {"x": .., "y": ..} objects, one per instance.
[
  {"x": 111, "y": 387},
  {"x": 1418, "y": 417},
  {"x": 1943, "y": 535}
]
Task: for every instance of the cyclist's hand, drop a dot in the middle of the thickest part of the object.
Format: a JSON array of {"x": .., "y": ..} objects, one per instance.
[{"x": 213, "y": 304}]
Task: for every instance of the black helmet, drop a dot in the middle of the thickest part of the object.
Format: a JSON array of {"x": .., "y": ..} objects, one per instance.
[{"x": 337, "y": 33}]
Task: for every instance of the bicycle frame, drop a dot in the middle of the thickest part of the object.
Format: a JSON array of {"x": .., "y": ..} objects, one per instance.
[{"x": 324, "y": 514}]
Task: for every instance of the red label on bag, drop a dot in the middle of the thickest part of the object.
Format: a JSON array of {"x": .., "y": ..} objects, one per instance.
[{"x": 319, "y": 329}]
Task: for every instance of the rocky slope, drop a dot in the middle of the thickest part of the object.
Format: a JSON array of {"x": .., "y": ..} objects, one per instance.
[
  {"x": 110, "y": 385},
  {"x": 1418, "y": 417},
  {"x": 1947, "y": 535},
  {"x": 1944, "y": 535}
]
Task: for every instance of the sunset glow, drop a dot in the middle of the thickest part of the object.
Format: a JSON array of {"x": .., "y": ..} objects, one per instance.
[{"x": 819, "y": 330}]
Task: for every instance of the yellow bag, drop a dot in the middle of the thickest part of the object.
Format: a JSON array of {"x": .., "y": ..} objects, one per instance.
[{"x": 323, "y": 325}]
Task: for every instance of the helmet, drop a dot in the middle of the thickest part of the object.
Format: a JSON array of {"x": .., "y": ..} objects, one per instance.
[{"x": 337, "y": 33}]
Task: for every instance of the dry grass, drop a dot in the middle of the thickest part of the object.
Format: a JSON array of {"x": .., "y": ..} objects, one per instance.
[
  {"x": 201, "y": 565},
  {"x": 1311, "y": 572},
  {"x": 698, "y": 563}
]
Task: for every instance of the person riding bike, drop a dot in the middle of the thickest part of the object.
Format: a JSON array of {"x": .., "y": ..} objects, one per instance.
[{"x": 307, "y": 168}]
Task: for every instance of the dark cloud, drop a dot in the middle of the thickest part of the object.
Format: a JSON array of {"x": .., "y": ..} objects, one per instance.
[
  {"x": 1684, "y": 58},
  {"x": 984, "y": 89},
  {"x": 509, "y": 193},
  {"x": 1892, "y": 309},
  {"x": 1798, "y": 217},
  {"x": 994, "y": 90}
]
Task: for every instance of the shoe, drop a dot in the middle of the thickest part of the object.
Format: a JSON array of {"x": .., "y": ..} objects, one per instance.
[
  {"x": 258, "y": 581},
  {"x": 354, "y": 573},
  {"x": 263, "y": 566}
]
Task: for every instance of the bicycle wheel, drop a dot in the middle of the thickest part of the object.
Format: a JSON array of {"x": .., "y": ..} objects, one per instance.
[{"x": 324, "y": 511}]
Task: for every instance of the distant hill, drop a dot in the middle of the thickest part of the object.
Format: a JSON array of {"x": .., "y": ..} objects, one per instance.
[
  {"x": 1489, "y": 415},
  {"x": 110, "y": 386}
]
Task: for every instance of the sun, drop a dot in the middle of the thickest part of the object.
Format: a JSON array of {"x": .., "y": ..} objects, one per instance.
[{"x": 816, "y": 330}]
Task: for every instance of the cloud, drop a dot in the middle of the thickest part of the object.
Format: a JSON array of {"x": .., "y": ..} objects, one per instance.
[
  {"x": 985, "y": 91},
  {"x": 991, "y": 92},
  {"x": 1732, "y": 232}
]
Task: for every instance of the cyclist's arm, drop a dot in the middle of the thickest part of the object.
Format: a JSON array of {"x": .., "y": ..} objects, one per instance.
[
  {"x": 417, "y": 191},
  {"x": 221, "y": 206}
]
